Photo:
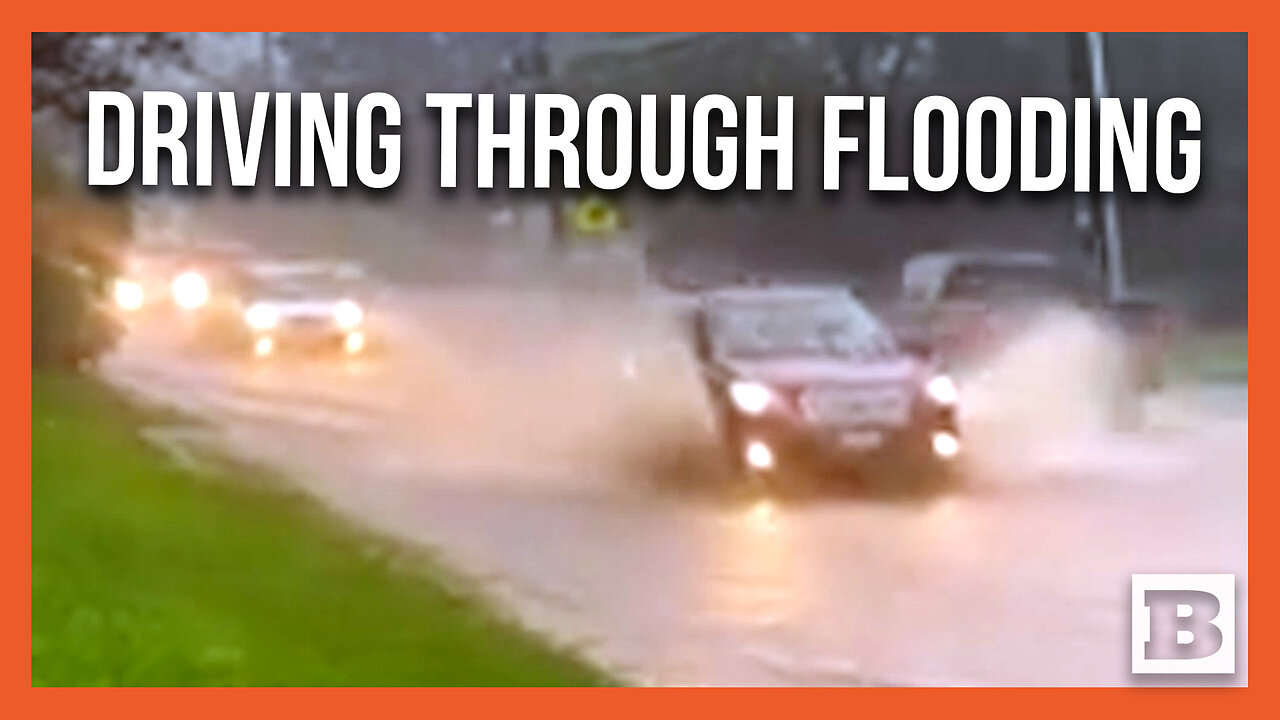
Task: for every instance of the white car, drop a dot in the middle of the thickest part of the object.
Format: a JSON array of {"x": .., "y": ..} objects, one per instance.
[{"x": 306, "y": 308}]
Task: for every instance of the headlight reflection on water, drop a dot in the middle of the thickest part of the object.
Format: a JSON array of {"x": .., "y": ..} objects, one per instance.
[
  {"x": 353, "y": 343},
  {"x": 764, "y": 514},
  {"x": 758, "y": 574}
]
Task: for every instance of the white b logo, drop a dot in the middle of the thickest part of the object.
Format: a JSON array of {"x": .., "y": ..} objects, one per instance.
[{"x": 1184, "y": 624}]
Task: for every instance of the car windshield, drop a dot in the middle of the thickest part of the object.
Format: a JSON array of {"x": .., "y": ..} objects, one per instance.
[
  {"x": 301, "y": 286},
  {"x": 796, "y": 327},
  {"x": 1011, "y": 282}
]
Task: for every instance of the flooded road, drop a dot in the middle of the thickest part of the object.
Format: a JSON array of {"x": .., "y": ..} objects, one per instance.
[{"x": 502, "y": 435}]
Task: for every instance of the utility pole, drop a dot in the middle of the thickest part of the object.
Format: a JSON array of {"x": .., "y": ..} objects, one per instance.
[
  {"x": 525, "y": 68},
  {"x": 1089, "y": 74},
  {"x": 1110, "y": 204},
  {"x": 269, "y": 59}
]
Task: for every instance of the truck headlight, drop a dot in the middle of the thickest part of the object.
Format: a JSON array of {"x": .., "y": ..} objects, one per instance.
[
  {"x": 190, "y": 290},
  {"x": 261, "y": 317},
  {"x": 751, "y": 398},
  {"x": 128, "y": 294},
  {"x": 347, "y": 314},
  {"x": 942, "y": 390}
]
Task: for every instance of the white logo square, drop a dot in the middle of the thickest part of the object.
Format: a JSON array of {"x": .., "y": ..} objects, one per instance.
[{"x": 1184, "y": 624}]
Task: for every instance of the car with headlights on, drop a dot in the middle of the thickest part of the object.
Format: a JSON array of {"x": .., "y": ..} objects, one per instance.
[
  {"x": 187, "y": 278},
  {"x": 304, "y": 308},
  {"x": 808, "y": 377}
]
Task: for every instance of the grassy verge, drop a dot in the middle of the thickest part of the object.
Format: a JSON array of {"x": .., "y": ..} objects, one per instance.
[
  {"x": 147, "y": 574},
  {"x": 1220, "y": 355}
]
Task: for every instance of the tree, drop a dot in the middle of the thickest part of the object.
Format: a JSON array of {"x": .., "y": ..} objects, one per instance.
[
  {"x": 75, "y": 245},
  {"x": 66, "y": 66},
  {"x": 77, "y": 237}
]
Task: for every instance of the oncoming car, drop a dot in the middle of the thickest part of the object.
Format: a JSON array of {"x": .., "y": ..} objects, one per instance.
[
  {"x": 183, "y": 278},
  {"x": 307, "y": 308},
  {"x": 807, "y": 376}
]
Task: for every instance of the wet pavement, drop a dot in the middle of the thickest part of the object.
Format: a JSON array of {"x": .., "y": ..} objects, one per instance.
[{"x": 501, "y": 445}]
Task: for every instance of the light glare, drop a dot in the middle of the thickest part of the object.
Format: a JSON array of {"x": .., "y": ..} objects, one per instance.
[
  {"x": 190, "y": 290},
  {"x": 749, "y": 397}
]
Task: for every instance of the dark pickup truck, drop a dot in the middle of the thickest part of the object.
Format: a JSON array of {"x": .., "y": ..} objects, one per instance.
[{"x": 968, "y": 305}]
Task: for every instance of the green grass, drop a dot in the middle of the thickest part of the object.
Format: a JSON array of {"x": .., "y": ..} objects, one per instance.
[
  {"x": 144, "y": 573},
  {"x": 1220, "y": 355}
]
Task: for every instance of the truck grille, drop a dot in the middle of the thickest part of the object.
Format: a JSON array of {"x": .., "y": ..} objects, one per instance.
[{"x": 854, "y": 405}]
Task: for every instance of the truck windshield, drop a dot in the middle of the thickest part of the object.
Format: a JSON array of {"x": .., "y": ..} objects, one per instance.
[
  {"x": 796, "y": 328},
  {"x": 1011, "y": 282}
]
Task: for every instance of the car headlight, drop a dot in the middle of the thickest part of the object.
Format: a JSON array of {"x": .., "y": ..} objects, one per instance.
[
  {"x": 347, "y": 314},
  {"x": 128, "y": 295},
  {"x": 945, "y": 445},
  {"x": 260, "y": 316},
  {"x": 190, "y": 290},
  {"x": 942, "y": 390},
  {"x": 751, "y": 398}
]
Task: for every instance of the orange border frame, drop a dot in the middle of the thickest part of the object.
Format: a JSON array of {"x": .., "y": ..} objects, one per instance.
[{"x": 584, "y": 15}]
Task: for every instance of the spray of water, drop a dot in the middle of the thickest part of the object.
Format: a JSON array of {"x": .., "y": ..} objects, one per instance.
[
  {"x": 1050, "y": 391},
  {"x": 552, "y": 386}
]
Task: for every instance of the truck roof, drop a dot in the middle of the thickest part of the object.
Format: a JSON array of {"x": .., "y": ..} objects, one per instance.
[
  {"x": 923, "y": 274},
  {"x": 777, "y": 292}
]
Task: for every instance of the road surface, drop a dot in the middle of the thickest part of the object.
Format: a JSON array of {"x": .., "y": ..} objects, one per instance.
[{"x": 506, "y": 433}]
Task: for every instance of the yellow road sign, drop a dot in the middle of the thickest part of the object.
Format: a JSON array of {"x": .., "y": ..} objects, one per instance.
[{"x": 595, "y": 216}]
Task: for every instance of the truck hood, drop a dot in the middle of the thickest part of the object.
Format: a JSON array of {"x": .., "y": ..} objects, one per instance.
[{"x": 813, "y": 371}]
